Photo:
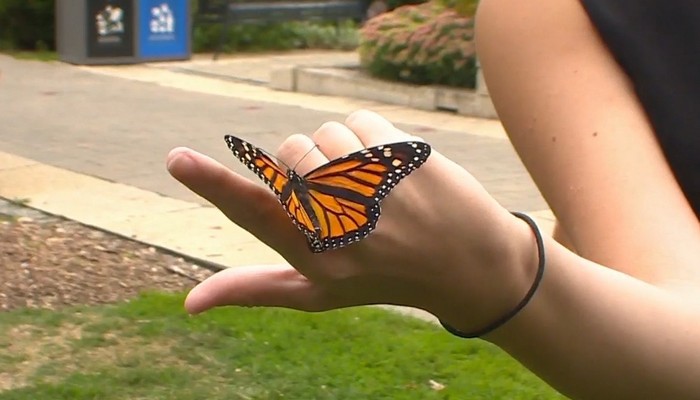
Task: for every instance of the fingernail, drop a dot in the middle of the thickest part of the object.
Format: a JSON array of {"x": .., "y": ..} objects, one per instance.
[{"x": 175, "y": 154}]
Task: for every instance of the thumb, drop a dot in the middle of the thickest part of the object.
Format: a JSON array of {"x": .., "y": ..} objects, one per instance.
[{"x": 250, "y": 286}]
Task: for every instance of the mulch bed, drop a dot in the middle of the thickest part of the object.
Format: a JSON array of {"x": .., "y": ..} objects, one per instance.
[{"x": 49, "y": 262}]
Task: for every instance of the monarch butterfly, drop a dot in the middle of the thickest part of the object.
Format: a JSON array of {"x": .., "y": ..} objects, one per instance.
[{"x": 337, "y": 203}]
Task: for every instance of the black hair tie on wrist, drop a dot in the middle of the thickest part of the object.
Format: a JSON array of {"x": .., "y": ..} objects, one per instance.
[{"x": 510, "y": 314}]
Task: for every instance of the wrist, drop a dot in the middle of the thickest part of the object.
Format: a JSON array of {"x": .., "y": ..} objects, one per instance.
[{"x": 511, "y": 279}]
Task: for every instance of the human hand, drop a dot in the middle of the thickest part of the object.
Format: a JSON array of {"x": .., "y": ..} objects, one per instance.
[{"x": 442, "y": 243}]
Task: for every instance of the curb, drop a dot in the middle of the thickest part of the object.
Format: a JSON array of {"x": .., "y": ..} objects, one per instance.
[
  {"x": 350, "y": 82},
  {"x": 186, "y": 228},
  {"x": 207, "y": 264}
]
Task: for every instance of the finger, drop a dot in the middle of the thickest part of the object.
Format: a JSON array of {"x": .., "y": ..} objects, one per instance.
[
  {"x": 247, "y": 204},
  {"x": 373, "y": 129},
  {"x": 336, "y": 140},
  {"x": 300, "y": 153},
  {"x": 269, "y": 286}
]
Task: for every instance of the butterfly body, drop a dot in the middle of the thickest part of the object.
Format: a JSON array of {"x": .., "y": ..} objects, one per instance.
[
  {"x": 297, "y": 187},
  {"x": 337, "y": 203}
]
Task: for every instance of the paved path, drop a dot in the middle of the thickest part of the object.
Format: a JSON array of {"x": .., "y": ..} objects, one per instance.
[{"x": 90, "y": 142}]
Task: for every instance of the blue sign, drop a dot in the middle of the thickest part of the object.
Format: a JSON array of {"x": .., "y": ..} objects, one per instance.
[{"x": 163, "y": 29}]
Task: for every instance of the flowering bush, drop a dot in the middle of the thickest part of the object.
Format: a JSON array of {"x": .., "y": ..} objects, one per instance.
[{"x": 421, "y": 44}]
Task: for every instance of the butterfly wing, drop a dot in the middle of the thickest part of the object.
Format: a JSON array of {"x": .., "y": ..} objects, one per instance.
[
  {"x": 268, "y": 171},
  {"x": 258, "y": 162},
  {"x": 337, "y": 203},
  {"x": 345, "y": 193}
]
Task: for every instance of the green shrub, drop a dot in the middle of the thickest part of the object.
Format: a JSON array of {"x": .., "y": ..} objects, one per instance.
[
  {"x": 394, "y": 4},
  {"x": 466, "y": 8},
  {"x": 328, "y": 36},
  {"x": 27, "y": 24},
  {"x": 274, "y": 36},
  {"x": 282, "y": 36},
  {"x": 423, "y": 44}
]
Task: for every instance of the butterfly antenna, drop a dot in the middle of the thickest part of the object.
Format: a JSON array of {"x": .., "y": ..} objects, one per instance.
[
  {"x": 267, "y": 153},
  {"x": 284, "y": 163},
  {"x": 304, "y": 156}
]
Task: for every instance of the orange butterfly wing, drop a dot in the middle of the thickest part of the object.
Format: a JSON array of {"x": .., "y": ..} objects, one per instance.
[
  {"x": 300, "y": 216},
  {"x": 345, "y": 193},
  {"x": 337, "y": 203},
  {"x": 258, "y": 162},
  {"x": 278, "y": 180}
]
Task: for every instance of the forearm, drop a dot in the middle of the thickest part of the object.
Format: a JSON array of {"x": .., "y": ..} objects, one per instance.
[{"x": 595, "y": 333}]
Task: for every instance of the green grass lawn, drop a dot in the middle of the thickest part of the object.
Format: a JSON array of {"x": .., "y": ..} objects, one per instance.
[
  {"x": 39, "y": 55},
  {"x": 150, "y": 349}
]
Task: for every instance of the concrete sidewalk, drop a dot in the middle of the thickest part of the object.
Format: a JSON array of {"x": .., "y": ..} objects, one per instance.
[
  {"x": 338, "y": 74},
  {"x": 258, "y": 69},
  {"x": 89, "y": 143}
]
